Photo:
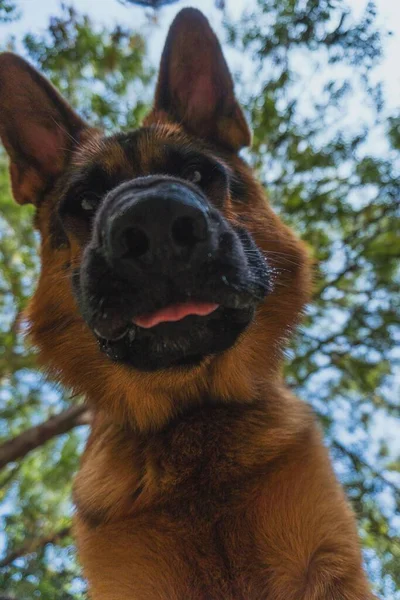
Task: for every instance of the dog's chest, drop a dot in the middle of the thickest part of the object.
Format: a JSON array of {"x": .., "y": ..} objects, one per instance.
[
  {"x": 184, "y": 495},
  {"x": 195, "y": 465},
  {"x": 193, "y": 469}
]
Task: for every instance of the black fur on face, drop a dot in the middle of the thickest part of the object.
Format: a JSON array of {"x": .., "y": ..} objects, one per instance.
[{"x": 210, "y": 259}]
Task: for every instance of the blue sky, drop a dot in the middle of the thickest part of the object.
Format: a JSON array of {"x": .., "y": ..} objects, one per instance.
[{"x": 35, "y": 14}]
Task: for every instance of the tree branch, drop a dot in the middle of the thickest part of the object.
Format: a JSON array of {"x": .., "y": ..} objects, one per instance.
[
  {"x": 35, "y": 545},
  {"x": 358, "y": 462},
  {"x": 34, "y": 437}
]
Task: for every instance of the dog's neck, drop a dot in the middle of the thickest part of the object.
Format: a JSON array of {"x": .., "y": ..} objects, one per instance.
[{"x": 187, "y": 458}]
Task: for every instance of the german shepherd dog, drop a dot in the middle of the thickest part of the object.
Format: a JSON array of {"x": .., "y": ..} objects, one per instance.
[{"x": 167, "y": 291}]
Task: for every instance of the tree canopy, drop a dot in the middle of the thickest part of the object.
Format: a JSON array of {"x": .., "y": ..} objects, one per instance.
[{"x": 327, "y": 149}]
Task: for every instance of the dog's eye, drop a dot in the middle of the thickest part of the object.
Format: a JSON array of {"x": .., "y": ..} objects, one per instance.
[
  {"x": 194, "y": 176},
  {"x": 90, "y": 201},
  {"x": 88, "y": 204}
]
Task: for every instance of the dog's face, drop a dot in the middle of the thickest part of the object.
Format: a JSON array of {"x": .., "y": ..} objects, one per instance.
[
  {"x": 164, "y": 271},
  {"x": 164, "y": 277}
]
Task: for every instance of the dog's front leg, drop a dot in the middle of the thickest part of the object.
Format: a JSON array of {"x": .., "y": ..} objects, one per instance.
[{"x": 307, "y": 532}]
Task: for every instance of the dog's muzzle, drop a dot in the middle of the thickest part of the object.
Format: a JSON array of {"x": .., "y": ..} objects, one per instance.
[
  {"x": 156, "y": 226},
  {"x": 166, "y": 279}
]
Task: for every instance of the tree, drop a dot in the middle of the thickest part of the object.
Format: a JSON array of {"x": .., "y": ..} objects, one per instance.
[
  {"x": 323, "y": 176},
  {"x": 310, "y": 62},
  {"x": 151, "y": 3}
]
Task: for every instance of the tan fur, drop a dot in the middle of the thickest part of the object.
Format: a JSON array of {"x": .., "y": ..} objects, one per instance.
[{"x": 178, "y": 497}]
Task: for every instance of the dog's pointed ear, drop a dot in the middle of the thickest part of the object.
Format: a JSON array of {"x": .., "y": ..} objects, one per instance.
[
  {"x": 37, "y": 127},
  {"x": 195, "y": 87}
]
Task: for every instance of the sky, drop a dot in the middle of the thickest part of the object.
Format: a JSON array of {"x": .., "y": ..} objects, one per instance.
[{"x": 35, "y": 15}]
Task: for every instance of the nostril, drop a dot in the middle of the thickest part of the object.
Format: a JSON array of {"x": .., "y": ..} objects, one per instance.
[
  {"x": 135, "y": 243},
  {"x": 187, "y": 231}
]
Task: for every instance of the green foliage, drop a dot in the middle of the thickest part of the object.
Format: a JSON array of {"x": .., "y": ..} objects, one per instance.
[
  {"x": 102, "y": 72},
  {"x": 326, "y": 179},
  {"x": 8, "y": 11},
  {"x": 327, "y": 151},
  {"x": 151, "y": 3}
]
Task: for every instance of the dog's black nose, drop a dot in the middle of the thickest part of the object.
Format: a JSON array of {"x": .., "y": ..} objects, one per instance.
[{"x": 162, "y": 227}]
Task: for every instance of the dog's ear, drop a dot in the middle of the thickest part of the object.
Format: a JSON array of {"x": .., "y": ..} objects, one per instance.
[
  {"x": 37, "y": 127},
  {"x": 195, "y": 87}
]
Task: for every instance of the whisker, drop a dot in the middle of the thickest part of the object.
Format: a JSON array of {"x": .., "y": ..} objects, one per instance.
[{"x": 64, "y": 130}]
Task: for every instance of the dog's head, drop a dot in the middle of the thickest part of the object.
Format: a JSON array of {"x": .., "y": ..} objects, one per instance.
[{"x": 166, "y": 277}]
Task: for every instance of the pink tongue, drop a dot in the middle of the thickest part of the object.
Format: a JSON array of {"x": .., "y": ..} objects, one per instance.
[{"x": 176, "y": 312}]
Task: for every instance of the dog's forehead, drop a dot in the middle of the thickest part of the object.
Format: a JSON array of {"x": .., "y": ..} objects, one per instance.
[{"x": 133, "y": 150}]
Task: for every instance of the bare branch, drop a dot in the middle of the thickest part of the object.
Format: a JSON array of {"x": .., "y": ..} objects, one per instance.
[
  {"x": 358, "y": 462},
  {"x": 34, "y": 437},
  {"x": 35, "y": 545}
]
